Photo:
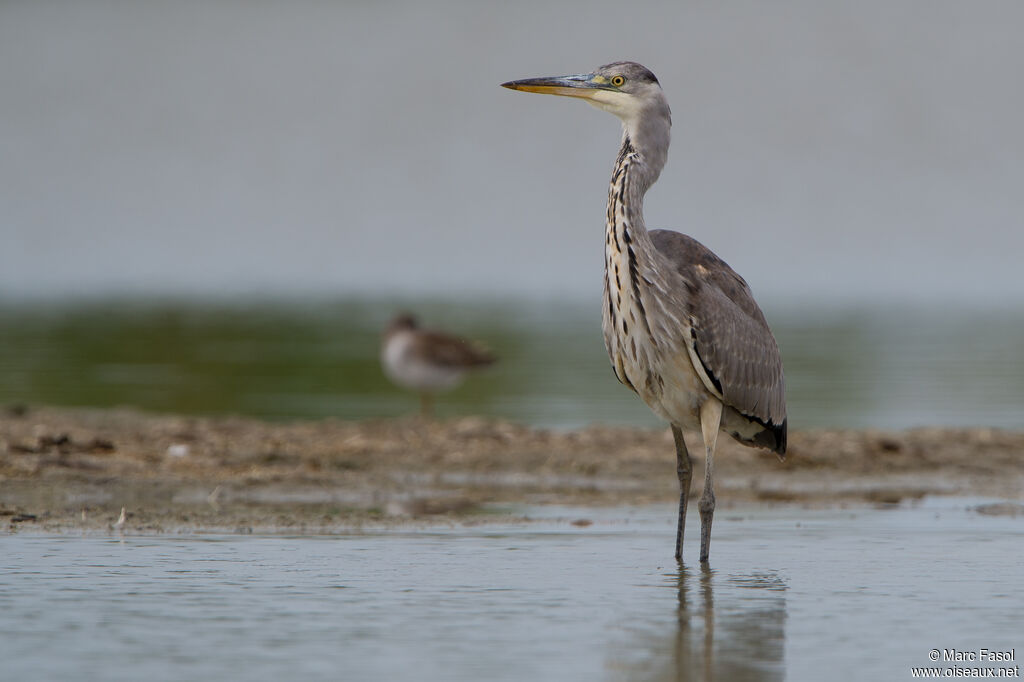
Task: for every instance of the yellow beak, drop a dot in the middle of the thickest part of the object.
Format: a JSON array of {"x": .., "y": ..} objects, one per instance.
[{"x": 580, "y": 85}]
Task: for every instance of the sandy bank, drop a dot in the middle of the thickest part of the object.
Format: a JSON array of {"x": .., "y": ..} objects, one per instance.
[{"x": 64, "y": 469}]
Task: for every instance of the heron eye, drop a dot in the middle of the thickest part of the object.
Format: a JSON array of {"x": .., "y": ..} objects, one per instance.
[{"x": 617, "y": 81}]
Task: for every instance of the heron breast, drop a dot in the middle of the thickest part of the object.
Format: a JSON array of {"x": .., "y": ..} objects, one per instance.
[{"x": 662, "y": 376}]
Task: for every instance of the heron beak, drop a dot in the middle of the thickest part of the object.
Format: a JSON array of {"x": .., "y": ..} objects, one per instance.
[{"x": 581, "y": 85}]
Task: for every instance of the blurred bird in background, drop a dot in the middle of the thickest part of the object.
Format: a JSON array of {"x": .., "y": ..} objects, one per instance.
[{"x": 427, "y": 361}]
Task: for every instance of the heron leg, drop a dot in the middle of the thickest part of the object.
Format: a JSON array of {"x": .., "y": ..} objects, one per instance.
[
  {"x": 710, "y": 422},
  {"x": 684, "y": 468}
]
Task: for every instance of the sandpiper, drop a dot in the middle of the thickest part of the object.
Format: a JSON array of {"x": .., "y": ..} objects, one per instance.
[{"x": 427, "y": 361}]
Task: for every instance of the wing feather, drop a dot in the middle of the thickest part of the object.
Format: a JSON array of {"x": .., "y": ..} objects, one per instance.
[
  {"x": 451, "y": 351},
  {"x": 729, "y": 332}
]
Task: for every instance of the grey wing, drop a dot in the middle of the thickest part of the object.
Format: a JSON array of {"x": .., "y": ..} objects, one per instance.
[{"x": 729, "y": 332}]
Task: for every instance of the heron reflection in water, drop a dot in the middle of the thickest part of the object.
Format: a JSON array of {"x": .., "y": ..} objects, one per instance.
[{"x": 721, "y": 628}]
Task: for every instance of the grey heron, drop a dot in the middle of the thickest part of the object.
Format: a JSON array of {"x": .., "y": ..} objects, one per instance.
[
  {"x": 682, "y": 329},
  {"x": 427, "y": 361}
]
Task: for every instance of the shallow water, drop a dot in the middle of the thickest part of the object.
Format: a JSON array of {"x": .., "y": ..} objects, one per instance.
[{"x": 791, "y": 594}]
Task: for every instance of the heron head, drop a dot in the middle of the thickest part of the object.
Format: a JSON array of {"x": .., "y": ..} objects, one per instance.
[{"x": 626, "y": 89}]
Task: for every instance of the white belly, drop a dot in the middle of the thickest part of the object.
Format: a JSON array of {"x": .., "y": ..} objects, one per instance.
[
  {"x": 671, "y": 388},
  {"x": 683, "y": 393},
  {"x": 409, "y": 369}
]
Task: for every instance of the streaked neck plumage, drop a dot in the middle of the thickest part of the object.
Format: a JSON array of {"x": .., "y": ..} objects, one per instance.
[
  {"x": 629, "y": 252},
  {"x": 649, "y": 134},
  {"x": 644, "y": 151}
]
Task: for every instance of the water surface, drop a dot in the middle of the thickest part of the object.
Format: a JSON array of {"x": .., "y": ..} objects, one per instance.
[{"x": 791, "y": 594}]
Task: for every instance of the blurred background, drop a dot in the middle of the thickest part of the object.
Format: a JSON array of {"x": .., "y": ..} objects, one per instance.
[{"x": 215, "y": 206}]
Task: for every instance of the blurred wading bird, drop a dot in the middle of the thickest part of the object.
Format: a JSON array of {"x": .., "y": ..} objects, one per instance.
[
  {"x": 681, "y": 327},
  {"x": 427, "y": 361}
]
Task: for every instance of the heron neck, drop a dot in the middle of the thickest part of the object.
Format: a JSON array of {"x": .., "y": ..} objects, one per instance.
[
  {"x": 631, "y": 276},
  {"x": 628, "y": 251},
  {"x": 632, "y": 176},
  {"x": 649, "y": 137},
  {"x": 628, "y": 247}
]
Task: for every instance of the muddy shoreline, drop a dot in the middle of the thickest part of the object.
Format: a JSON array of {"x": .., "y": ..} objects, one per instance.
[{"x": 74, "y": 470}]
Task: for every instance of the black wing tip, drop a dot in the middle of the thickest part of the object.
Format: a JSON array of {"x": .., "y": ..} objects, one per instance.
[
  {"x": 772, "y": 436},
  {"x": 781, "y": 433}
]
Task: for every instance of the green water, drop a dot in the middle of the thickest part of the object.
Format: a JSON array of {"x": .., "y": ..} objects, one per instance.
[{"x": 855, "y": 367}]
